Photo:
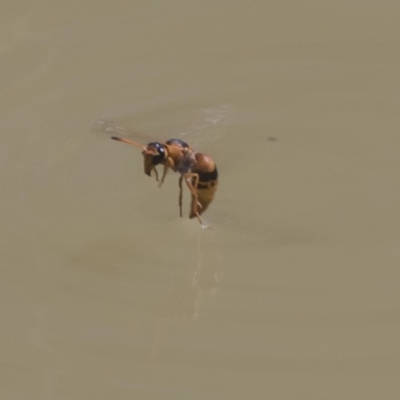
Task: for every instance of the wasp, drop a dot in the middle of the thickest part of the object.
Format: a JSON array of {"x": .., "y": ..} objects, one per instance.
[{"x": 197, "y": 170}]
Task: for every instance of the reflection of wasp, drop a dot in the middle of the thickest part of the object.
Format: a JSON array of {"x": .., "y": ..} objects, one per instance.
[{"x": 198, "y": 170}]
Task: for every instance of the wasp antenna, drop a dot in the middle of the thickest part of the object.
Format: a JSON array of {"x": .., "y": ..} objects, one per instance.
[{"x": 128, "y": 141}]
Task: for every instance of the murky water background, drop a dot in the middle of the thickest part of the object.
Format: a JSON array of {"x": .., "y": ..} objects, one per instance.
[{"x": 106, "y": 293}]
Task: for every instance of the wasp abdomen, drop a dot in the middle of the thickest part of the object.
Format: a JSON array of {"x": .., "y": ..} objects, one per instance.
[{"x": 206, "y": 188}]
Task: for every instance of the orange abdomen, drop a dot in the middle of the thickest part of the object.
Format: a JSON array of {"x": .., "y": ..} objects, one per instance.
[{"x": 205, "y": 192}]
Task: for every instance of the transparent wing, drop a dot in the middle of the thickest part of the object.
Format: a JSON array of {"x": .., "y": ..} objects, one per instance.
[
  {"x": 202, "y": 125},
  {"x": 209, "y": 124},
  {"x": 112, "y": 128}
]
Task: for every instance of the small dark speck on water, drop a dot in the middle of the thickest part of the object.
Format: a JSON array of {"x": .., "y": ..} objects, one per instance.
[{"x": 272, "y": 139}]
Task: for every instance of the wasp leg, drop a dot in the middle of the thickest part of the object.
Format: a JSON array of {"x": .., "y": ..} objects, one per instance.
[
  {"x": 169, "y": 163},
  {"x": 154, "y": 169},
  {"x": 180, "y": 195},
  {"x": 193, "y": 189},
  {"x": 166, "y": 167}
]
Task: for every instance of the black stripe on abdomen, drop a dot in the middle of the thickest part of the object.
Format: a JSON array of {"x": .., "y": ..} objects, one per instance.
[{"x": 207, "y": 176}]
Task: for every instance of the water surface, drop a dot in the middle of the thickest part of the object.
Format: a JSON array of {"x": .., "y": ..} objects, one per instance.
[{"x": 107, "y": 293}]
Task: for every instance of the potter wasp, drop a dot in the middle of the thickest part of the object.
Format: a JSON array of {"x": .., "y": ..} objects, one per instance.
[{"x": 197, "y": 170}]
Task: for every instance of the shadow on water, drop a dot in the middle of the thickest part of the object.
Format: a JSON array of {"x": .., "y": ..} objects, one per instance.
[
  {"x": 167, "y": 281},
  {"x": 184, "y": 294}
]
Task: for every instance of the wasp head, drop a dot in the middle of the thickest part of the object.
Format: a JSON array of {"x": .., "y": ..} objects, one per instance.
[{"x": 153, "y": 154}]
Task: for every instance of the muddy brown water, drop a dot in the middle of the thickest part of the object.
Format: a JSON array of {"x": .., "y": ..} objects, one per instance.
[{"x": 293, "y": 294}]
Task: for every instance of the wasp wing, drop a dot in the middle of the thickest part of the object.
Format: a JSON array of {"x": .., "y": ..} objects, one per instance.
[
  {"x": 112, "y": 128},
  {"x": 203, "y": 125},
  {"x": 209, "y": 124}
]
